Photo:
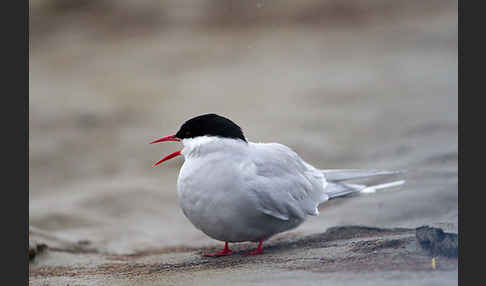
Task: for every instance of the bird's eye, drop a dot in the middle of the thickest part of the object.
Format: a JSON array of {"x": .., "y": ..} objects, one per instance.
[{"x": 187, "y": 133}]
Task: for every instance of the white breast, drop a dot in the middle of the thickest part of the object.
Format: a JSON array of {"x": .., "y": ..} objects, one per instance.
[
  {"x": 211, "y": 193},
  {"x": 221, "y": 192}
]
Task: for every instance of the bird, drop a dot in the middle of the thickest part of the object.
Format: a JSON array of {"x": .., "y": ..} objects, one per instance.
[{"x": 234, "y": 190}]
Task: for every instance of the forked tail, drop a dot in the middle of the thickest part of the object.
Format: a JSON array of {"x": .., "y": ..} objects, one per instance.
[{"x": 337, "y": 188}]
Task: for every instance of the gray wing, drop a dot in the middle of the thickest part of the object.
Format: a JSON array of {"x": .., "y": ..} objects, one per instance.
[{"x": 284, "y": 185}]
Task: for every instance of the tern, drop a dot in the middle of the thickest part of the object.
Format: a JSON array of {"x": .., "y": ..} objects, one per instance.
[{"x": 234, "y": 190}]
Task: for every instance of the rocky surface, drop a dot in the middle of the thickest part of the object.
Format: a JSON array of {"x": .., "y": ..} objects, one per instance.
[
  {"x": 339, "y": 255},
  {"x": 438, "y": 242},
  {"x": 35, "y": 248}
]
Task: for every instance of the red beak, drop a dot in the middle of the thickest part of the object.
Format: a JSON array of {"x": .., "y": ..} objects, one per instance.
[
  {"x": 166, "y": 138},
  {"x": 170, "y": 156}
]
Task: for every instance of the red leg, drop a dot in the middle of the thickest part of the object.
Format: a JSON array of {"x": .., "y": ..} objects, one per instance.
[
  {"x": 225, "y": 251},
  {"x": 259, "y": 250}
]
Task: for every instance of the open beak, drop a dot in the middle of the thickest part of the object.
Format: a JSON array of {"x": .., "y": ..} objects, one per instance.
[{"x": 170, "y": 156}]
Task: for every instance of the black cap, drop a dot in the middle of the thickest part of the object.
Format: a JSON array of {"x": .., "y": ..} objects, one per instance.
[{"x": 210, "y": 125}]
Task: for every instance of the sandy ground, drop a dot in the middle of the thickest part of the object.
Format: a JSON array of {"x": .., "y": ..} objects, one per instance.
[
  {"x": 376, "y": 92},
  {"x": 352, "y": 255}
]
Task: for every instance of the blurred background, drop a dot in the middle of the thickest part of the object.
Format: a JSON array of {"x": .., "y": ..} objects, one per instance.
[{"x": 345, "y": 83}]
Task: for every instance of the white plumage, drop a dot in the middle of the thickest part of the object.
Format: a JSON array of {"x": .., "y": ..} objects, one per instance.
[{"x": 236, "y": 191}]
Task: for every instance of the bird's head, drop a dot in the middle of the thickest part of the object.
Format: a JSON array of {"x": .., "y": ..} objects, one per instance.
[{"x": 203, "y": 125}]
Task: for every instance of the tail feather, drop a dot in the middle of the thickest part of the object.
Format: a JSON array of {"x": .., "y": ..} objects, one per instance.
[
  {"x": 336, "y": 188},
  {"x": 372, "y": 189},
  {"x": 338, "y": 175}
]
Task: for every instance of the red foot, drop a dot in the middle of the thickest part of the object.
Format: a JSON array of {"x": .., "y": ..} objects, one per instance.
[
  {"x": 225, "y": 251},
  {"x": 259, "y": 250}
]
